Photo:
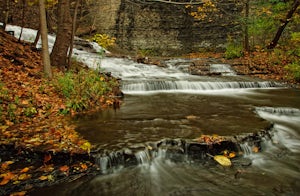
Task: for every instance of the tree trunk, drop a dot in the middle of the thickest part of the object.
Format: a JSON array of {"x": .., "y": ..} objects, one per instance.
[
  {"x": 23, "y": 19},
  {"x": 44, "y": 34},
  {"x": 246, "y": 33},
  {"x": 59, "y": 55},
  {"x": 6, "y": 14},
  {"x": 73, "y": 34},
  {"x": 289, "y": 15},
  {"x": 37, "y": 37}
]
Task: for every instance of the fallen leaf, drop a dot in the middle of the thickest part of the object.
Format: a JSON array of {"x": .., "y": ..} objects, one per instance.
[
  {"x": 222, "y": 160},
  {"x": 24, "y": 176},
  {"x": 255, "y": 149},
  {"x": 6, "y": 178},
  {"x": 24, "y": 170},
  {"x": 84, "y": 166},
  {"x": 64, "y": 168},
  {"x": 47, "y": 158},
  {"x": 191, "y": 117},
  {"x": 18, "y": 193},
  {"x": 231, "y": 155},
  {"x": 50, "y": 178},
  {"x": 86, "y": 146},
  {"x": 43, "y": 178},
  {"x": 5, "y": 165}
]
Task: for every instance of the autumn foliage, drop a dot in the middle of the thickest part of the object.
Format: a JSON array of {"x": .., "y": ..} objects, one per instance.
[{"x": 35, "y": 117}]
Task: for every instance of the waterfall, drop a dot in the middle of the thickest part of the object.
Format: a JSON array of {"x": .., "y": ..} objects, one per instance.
[
  {"x": 223, "y": 69},
  {"x": 192, "y": 86},
  {"x": 143, "y": 157}
]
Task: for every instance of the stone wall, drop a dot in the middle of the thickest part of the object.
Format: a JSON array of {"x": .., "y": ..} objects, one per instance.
[
  {"x": 166, "y": 29},
  {"x": 159, "y": 28}
]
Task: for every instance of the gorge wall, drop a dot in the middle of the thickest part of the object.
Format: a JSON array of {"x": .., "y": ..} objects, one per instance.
[
  {"x": 165, "y": 28},
  {"x": 158, "y": 28}
]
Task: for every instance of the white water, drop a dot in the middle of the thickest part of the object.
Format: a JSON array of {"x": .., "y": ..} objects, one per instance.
[
  {"x": 280, "y": 153},
  {"x": 138, "y": 78}
]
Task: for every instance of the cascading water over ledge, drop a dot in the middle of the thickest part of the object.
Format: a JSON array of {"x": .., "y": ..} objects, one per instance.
[
  {"x": 179, "y": 150},
  {"x": 193, "y": 86}
]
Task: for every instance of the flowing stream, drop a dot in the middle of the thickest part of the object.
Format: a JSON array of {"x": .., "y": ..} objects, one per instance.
[{"x": 168, "y": 102}]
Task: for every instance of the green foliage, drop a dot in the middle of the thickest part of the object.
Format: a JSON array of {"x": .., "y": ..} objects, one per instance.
[
  {"x": 294, "y": 70},
  {"x": 12, "y": 108},
  {"x": 3, "y": 92},
  {"x": 148, "y": 52},
  {"x": 233, "y": 49},
  {"x": 82, "y": 90},
  {"x": 30, "y": 111},
  {"x": 295, "y": 43},
  {"x": 104, "y": 40},
  {"x": 66, "y": 84}
]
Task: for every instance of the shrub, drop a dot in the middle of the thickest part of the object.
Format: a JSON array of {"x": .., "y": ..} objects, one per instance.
[
  {"x": 104, "y": 40},
  {"x": 294, "y": 70},
  {"x": 233, "y": 50},
  {"x": 83, "y": 90}
]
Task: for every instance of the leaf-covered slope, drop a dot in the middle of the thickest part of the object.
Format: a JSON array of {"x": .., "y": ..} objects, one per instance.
[{"x": 29, "y": 104}]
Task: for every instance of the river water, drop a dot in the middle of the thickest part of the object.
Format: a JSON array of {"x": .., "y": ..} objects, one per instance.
[{"x": 168, "y": 102}]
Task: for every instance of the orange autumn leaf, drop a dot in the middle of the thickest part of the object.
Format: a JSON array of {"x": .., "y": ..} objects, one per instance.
[
  {"x": 84, "y": 166},
  {"x": 21, "y": 193},
  {"x": 231, "y": 155},
  {"x": 6, "y": 178},
  {"x": 64, "y": 168},
  {"x": 255, "y": 149},
  {"x": 24, "y": 170},
  {"x": 5, "y": 165}
]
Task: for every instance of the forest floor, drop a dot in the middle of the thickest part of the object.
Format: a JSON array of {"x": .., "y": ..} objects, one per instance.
[{"x": 38, "y": 145}]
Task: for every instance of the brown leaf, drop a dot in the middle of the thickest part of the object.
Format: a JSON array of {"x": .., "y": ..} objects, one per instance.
[{"x": 47, "y": 158}]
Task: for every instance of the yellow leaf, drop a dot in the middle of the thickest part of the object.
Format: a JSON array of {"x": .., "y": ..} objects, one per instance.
[
  {"x": 43, "y": 178},
  {"x": 86, "y": 146},
  {"x": 3, "y": 128},
  {"x": 222, "y": 160},
  {"x": 24, "y": 176}
]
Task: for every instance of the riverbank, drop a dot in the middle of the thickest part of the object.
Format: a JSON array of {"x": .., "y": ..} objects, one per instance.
[{"x": 33, "y": 121}]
